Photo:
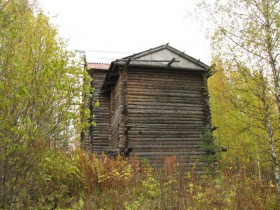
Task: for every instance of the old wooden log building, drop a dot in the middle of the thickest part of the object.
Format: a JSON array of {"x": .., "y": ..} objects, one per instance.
[{"x": 153, "y": 104}]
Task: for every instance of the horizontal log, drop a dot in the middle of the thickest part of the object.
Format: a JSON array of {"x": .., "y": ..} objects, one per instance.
[
  {"x": 165, "y": 117},
  {"x": 165, "y": 134},
  {"x": 165, "y": 140},
  {"x": 174, "y": 107},
  {"x": 165, "y": 87},
  {"x": 169, "y": 80},
  {"x": 157, "y": 100},
  {"x": 169, "y": 98},
  {"x": 148, "y": 79},
  {"x": 165, "y": 111},
  {"x": 176, "y": 124},
  {"x": 166, "y": 131},
  {"x": 156, "y": 88},
  {"x": 175, "y": 150},
  {"x": 163, "y": 93},
  {"x": 169, "y": 153},
  {"x": 171, "y": 147},
  {"x": 154, "y": 126},
  {"x": 160, "y": 126},
  {"x": 161, "y": 74}
]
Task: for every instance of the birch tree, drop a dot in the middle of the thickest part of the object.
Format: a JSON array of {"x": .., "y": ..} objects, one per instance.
[
  {"x": 248, "y": 31},
  {"x": 246, "y": 35}
]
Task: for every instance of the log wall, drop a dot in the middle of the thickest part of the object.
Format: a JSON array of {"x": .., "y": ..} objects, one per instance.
[
  {"x": 99, "y": 134},
  {"x": 166, "y": 114}
]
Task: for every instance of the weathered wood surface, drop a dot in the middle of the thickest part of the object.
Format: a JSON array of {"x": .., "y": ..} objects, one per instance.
[
  {"x": 99, "y": 134},
  {"x": 166, "y": 114},
  {"x": 157, "y": 113},
  {"x": 117, "y": 126}
]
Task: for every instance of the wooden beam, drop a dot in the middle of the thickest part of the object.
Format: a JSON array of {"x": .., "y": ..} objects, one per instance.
[
  {"x": 128, "y": 61},
  {"x": 109, "y": 83},
  {"x": 172, "y": 60},
  {"x": 115, "y": 73}
]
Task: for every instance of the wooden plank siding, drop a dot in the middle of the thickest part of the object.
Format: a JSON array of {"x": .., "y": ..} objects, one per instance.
[
  {"x": 166, "y": 114},
  {"x": 99, "y": 134}
]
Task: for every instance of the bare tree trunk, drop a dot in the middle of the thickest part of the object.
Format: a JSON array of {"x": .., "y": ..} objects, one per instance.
[
  {"x": 272, "y": 149},
  {"x": 276, "y": 81}
]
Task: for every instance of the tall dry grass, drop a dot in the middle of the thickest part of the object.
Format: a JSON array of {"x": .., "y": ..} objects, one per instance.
[{"x": 122, "y": 184}]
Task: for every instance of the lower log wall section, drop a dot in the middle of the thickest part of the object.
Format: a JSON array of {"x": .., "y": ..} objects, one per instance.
[
  {"x": 166, "y": 115},
  {"x": 99, "y": 134}
]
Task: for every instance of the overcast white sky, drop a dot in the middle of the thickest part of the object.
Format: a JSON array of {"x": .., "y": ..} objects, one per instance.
[{"x": 128, "y": 26}]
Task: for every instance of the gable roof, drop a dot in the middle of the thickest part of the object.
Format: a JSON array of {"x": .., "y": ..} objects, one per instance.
[{"x": 164, "y": 55}]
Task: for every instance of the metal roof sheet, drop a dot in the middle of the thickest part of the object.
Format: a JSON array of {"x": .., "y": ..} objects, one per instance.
[{"x": 104, "y": 66}]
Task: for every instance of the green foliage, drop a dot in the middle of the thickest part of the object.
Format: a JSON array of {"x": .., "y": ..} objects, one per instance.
[
  {"x": 40, "y": 88},
  {"x": 151, "y": 186},
  {"x": 238, "y": 101},
  {"x": 213, "y": 151},
  {"x": 56, "y": 184},
  {"x": 245, "y": 42},
  {"x": 135, "y": 205}
]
